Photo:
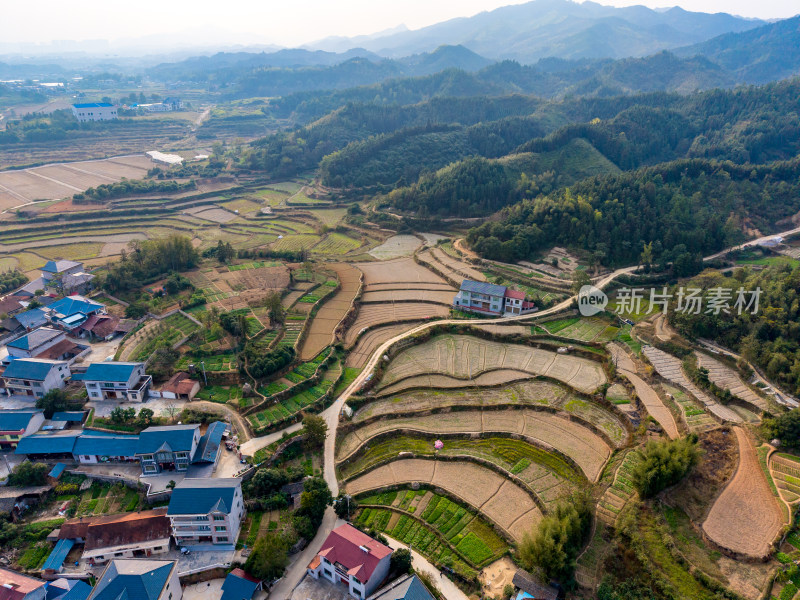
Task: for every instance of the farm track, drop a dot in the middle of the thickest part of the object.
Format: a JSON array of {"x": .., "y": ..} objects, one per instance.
[
  {"x": 323, "y": 325},
  {"x": 670, "y": 368},
  {"x": 502, "y": 502},
  {"x": 746, "y": 517}
]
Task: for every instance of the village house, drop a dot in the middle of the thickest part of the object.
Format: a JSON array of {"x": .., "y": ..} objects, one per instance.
[
  {"x": 353, "y": 559},
  {"x": 35, "y": 376},
  {"x": 94, "y": 111},
  {"x": 405, "y": 587},
  {"x": 207, "y": 511},
  {"x": 529, "y": 589},
  {"x": 167, "y": 448},
  {"x": 491, "y": 299},
  {"x": 116, "y": 381},
  {"x": 68, "y": 589},
  {"x": 238, "y": 585},
  {"x": 71, "y": 312},
  {"x": 16, "y": 586},
  {"x": 131, "y": 535},
  {"x": 15, "y": 424},
  {"x": 95, "y": 447},
  {"x": 66, "y": 277},
  {"x": 138, "y": 579},
  {"x": 180, "y": 386}
]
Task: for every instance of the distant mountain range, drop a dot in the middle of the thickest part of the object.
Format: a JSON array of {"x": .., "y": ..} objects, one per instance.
[{"x": 555, "y": 28}]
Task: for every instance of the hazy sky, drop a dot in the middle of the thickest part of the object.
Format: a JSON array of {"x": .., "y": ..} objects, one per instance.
[{"x": 284, "y": 22}]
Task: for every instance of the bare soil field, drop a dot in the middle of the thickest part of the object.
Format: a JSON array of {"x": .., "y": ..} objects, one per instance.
[
  {"x": 396, "y": 246},
  {"x": 589, "y": 451},
  {"x": 56, "y": 181},
  {"x": 669, "y": 367},
  {"x": 429, "y": 286},
  {"x": 446, "y": 382},
  {"x": 465, "y": 357},
  {"x": 379, "y": 314},
  {"x": 320, "y": 333},
  {"x": 505, "y": 329},
  {"x": 389, "y": 296},
  {"x": 746, "y": 517},
  {"x": 502, "y": 502},
  {"x": 727, "y": 378},
  {"x": 368, "y": 342},
  {"x": 401, "y": 270}
]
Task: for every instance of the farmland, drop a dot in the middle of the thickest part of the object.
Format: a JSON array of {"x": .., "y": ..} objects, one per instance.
[
  {"x": 503, "y": 503},
  {"x": 785, "y": 470},
  {"x": 727, "y": 379},
  {"x": 464, "y": 357},
  {"x": 381, "y": 314},
  {"x": 588, "y": 450},
  {"x": 323, "y": 325},
  {"x": 746, "y": 517},
  {"x": 370, "y": 340},
  {"x": 401, "y": 270},
  {"x": 452, "y": 268},
  {"x": 436, "y": 526},
  {"x": 586, "y": 329},
  {"x": 396, "y": 247}
]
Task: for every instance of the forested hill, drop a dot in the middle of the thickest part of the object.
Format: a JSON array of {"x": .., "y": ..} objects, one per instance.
[{"x": 686, "y": 208}]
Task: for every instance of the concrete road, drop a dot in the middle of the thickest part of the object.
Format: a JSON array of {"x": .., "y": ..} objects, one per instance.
[{"x": 449, "y": 589}]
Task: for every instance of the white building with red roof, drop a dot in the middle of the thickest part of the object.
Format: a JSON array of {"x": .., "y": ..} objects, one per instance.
[{"x": 353, "y": 559}]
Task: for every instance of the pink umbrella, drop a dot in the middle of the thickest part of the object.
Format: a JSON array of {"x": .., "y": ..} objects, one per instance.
[{"x": 438, "y": 444}]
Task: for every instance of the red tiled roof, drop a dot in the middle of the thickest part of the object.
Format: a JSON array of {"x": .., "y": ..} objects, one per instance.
[
  {"x": 105, "y": 326},
  {"x": 89, "y": 323},
  {"x": 10, "y": 304},
  {"x": 344, "y": 546},
  {"x": 132, "y": 528},
  {"x": 516, "y": 294},
  {"x": 178, "y": 384},
  {"x": 15, "y": 586},
  {"x": 59, "y": 349},
  {"x": 240, "y": 573}
]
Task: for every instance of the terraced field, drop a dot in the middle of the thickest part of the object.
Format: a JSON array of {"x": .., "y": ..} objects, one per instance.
[
  {"x": 400, "y": 270},
  {"x": 669, "y": 367},
  {"x": 727, "y": 378},
  {"x": 453, "y": 269},
  {"x": 396, "y": 247},
  {"x": 785, "y": 469},
  {"x": 412, "y": 295},
  {"x": 620, "y": 491},
  {"x": 746, "y": 517},
  {"x": 463, "y": 357},
  {"x": 323, "y": 325},
  {"x": 532, "y": 392},
  {"x": 504, "y": 503},
  {"x": 694, "y": 416},
  {"x": 171, "y": 330},
  {"x": 434, "y": 524},
  {"x": 546, "y": 474},
  {"x": 384, "y": 314},
  {"x": 369, "y": 342},
  {"x": 572, "y": 439},
  {"x": 336, "y": 243},
  {"x": 586, "y": 329}
]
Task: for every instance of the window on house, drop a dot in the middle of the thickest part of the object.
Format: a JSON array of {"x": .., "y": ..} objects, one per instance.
[
  {"x": 219, "y": 528},
  {"x": 219, "y": 518},
  {"x": 222, "y": 539}
]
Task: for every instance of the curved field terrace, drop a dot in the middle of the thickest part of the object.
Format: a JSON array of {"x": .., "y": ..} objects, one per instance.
[
  {"x": 369, "y": 342},
  {"x": 379, "y": 314},
  {"x": 401, "y": 270},
  {"x": 502, "y": 502},
  {"x": 589, "y": 451},
  {"x": 727, "y": 378},
  {"x": 545, "y": 473},
  {"x": 466, "y": 357},
  {"x": 412, "y": 295}
]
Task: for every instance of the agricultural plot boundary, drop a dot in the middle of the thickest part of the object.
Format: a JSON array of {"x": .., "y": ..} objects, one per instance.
[
  {"x": 727, "y": 379},
  {"x": 785, "y": 471}
]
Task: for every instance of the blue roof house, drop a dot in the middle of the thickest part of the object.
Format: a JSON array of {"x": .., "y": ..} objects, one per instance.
[
  {"x": 405, "y": 587},
  {"x": 15, "y": 424},
  {"x": 138, "y": 579},
  {"x": 167, "y": 448},
  {"x": 34, "y": 377},
  {"x": 206, "y": 511},
  {"x": 238, "y": 585},
  {"x": 35, "y": 343},
  {"x": 95, "y": 447},
  {"x": 71, "y": 311},
  {"x": 116, "y": 381}
]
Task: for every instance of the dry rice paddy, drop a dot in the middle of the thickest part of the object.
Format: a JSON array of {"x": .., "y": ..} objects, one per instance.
[
  {"x": 401, "y": 270},
  {"x": 726, "y": 378},
  {"x": 396, "y": 246},
  {"x": 380, "y": 314}
]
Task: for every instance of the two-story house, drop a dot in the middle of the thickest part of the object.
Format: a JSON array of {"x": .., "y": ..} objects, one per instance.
[
  {"x": 71, "y": 312},
  {"x": 35, "y": 376},
  {"x": 167, "y": 448},
  {"x": 138, "y": 579},
  {"x": 15, "y": 424},
  {"x": 479, "y": 296},
  {"x": 206, "y": 511},
  {"x": 116, "y": 381},
  {"x": 352, "y": 558}
]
